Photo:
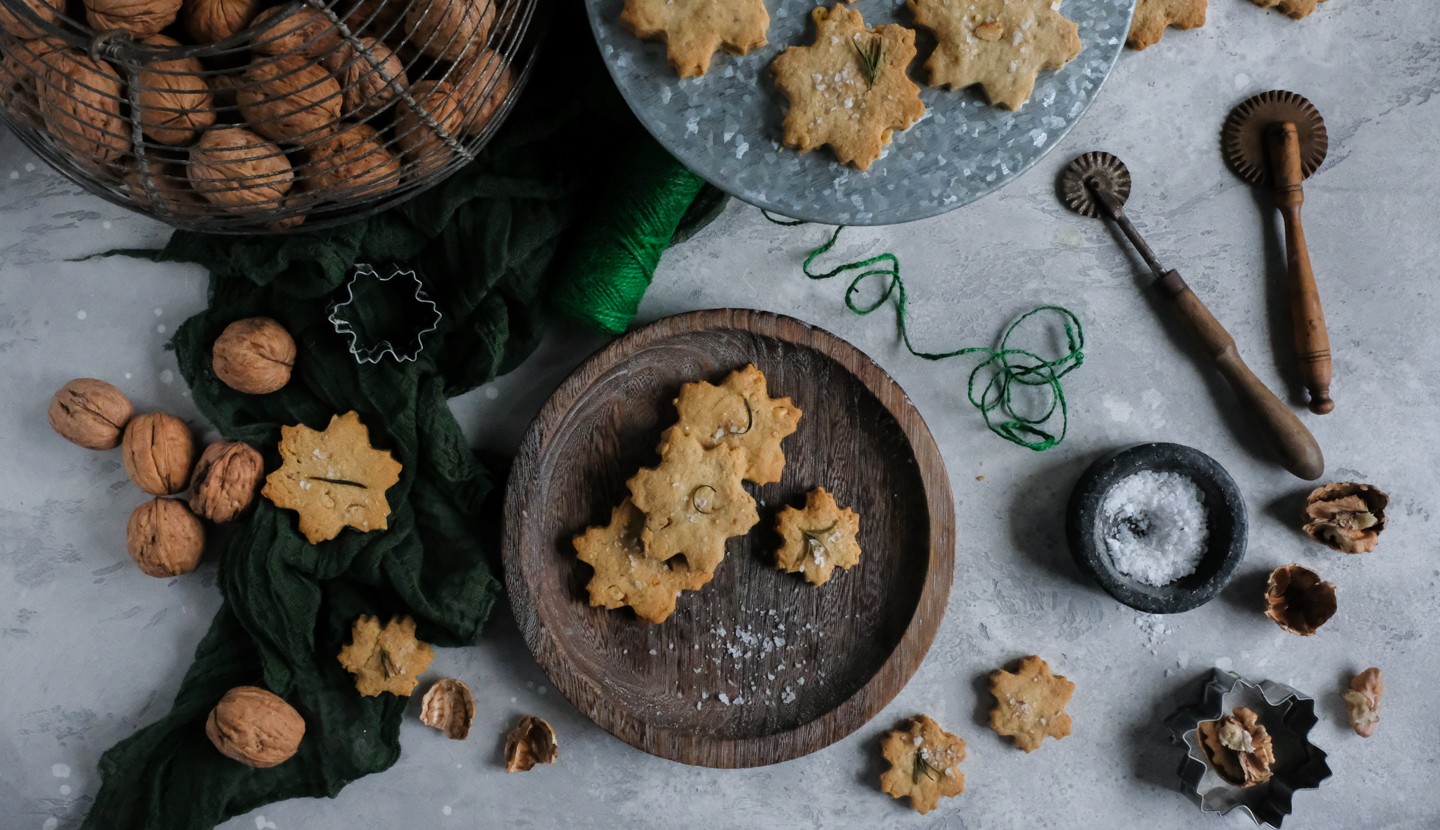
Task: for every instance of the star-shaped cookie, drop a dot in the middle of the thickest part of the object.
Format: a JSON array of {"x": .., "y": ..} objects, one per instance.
[
  {"x": 1153, "y": 16},
  {"x": 333, "y": 478},
  {"x": 1030, "y": 703},
  {"x": 817, "y": 540},
  {"x": 693, "y": 501},
  {"x": 1002, "y": 45},
  {"x": 1294, "y": 8},
  {"x": 924, "y": 764},
  {"x": 694, "y": 29},
  {"x": 387, "y": 659},
  {"x": 624, "y": 575},
  {"x": 849, "y": 88},
  {"x": 739, "y": 412}
]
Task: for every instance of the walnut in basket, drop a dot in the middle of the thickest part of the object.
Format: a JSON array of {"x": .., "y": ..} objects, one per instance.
[
  {"x": 207, "y": 21},
  {"x": 21, "y": 66},
  {"x": 353, "y": 163},
  {"x": 239, "y": 171},
  {"x": 141, "y": 18},
  {"x": 482, "y": 80},
  {"x": 290, "y": 99},
  {"x": 163, "y": 188},
  {"x": 174, "y": 102},
  {"x": 21, "y": 26},
  {"x": 448, "y": 29},
  {"x": 296, "y": 30},
  {"x": 79, "y": 102},
  {"x": 371, "y": 76},
  {"x": 425, "y": 148}
]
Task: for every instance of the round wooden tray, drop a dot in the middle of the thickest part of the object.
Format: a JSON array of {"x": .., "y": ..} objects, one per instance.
[{"x": 759, "y": 666}]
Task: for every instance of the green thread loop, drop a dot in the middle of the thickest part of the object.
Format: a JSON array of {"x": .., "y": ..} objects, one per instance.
[{"x": 1005, "y": 371}]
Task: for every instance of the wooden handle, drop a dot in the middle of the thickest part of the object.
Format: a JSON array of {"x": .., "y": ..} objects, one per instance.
[
  {"x": 1312, "y": 341},
  {"x": 1288, "y": 438}
]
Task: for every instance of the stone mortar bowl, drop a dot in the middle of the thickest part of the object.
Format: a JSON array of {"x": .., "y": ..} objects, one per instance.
[{"x": 1225, "y": 548}]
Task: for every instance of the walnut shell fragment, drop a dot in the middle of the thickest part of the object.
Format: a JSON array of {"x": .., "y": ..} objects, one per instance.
[
  {"x": 1346, "y": 516},
  {"x": 90, "y": 413},
  {"x": 531, "y": 742},
  {"x": 1239, "y": 747},
  {"x": 1298, "y": 600},
  {"x": 1362, "y": 701},
  {"x": 449, "y": 707},
  {"x": 225, "y": 481},
  {"x": 255, "y": 727}
]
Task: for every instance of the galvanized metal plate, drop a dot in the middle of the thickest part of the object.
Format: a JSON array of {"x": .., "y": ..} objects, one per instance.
[{"x": 726, "y": 125}]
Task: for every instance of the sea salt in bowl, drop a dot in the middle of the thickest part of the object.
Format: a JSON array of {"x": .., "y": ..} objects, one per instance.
[{"x": 1225, "y": 527}]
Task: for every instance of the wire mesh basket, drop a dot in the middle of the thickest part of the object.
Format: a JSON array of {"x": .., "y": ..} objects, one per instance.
[{"x": 236, "y": 116}]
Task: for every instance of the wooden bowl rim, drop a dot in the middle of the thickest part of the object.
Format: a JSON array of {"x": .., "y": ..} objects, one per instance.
[{"x": 867, "y": 701}]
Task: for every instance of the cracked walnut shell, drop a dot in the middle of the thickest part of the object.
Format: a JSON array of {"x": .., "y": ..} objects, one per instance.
[
  {"x": 164, "y": 538},
  {"x": 225, "y": 481},
  {"x": 158, "y": 452},
  {"x": 1362, "y": 701},
  {"x": 449, "y": 707},
  {"x": 255, "y": 727},
  {"x": 531, "y": 742},
  {"x": 90, "y": 413},
  {"x": 254, "y": 355},
  {"x": 1346, "y": 516},
  {"x": 1298, "y": 600}
]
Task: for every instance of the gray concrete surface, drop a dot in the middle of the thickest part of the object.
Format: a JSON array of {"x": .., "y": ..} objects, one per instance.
[{"x": 93, "y": 649}]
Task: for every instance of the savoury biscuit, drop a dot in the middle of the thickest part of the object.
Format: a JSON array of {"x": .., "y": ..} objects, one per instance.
[
  {"x": 739, "y": 412},
  {"x": 625, "y": 576},
  {"x": 999, "y": 44},
  {"x": 694, "y": 29},
  {"x": 817, "y": 540},
  {"x": 1294, "y": 8},
  {"x": 1030, "y": 703},
  {"x": 387, "y": 659},
  {"x": 924, "y": 764},
  {"x": 1153, "y": 16},
  {"x": 849, "y": 89},
  {"x": 693, "y": 501},
  {"x": 333, "y": 478}
]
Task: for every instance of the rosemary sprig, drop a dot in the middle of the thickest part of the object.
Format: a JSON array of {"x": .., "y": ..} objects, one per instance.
[
  {"x": 816, "y": 538},
  {"x": 701, "y": 499},
  {"x": 923, "y": 768},
  {"x": 872, "y": 56}
]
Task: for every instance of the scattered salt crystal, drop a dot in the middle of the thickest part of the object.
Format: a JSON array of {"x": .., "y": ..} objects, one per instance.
[
  {"x": 1156, "y": 526},
  {"x": 723, "y": 698}
]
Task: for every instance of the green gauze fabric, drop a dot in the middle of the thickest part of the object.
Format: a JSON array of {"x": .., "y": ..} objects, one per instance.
[{"x": 487, "y": 243}]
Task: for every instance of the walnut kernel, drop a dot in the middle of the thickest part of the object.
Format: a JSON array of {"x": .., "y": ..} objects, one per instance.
[
  {"x": 158, "y": 452},
  {"x": 255, "y": 727},
  {"x": 1346, "y": 516},
  {"x": 254, "y": 355},
  {"x": 91, "y": 413},
  {"x": 1363, "y": 701},
  {"x": 226, "y": 479},
  {"x": 164, "y": 538}
]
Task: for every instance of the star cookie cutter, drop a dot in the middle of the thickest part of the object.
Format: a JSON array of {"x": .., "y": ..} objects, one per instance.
[
  {"x": 1286, "y": 714},
  {"x": 381, "y": 316}
]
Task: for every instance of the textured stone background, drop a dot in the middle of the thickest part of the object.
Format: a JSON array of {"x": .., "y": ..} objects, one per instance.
[{"x": 93, "y": 648}]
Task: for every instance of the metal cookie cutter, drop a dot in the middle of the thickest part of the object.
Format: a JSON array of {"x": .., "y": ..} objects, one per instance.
[
  {"x": 381, "y": 314},
  {"x": 1286, "y": 714}
]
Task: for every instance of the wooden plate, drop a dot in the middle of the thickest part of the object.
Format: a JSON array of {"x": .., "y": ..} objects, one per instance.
[{"x": 758, "y": 667}]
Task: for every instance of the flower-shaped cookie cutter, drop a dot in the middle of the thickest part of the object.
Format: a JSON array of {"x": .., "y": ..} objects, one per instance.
[
  {"x": 385, "y": 311},
  {"x": 1286, "y": 714}
]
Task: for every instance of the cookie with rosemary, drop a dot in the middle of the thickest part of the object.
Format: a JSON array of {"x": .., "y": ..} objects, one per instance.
[
  {"x": 1292, "y": 8},
  {"x": 693, "y": 501},
  {"x": 333, "y": 478},
  {"x": 1030, "y": 703},
  {"x": 625, "y": 576},
  {"x": 849, "y": 89},
  {"x": 1152, "y": 17},
  {"x": 385, "y": 659},
  {"x": 693, "y": 30},
  {"x": 817, "y": 540},
  {"x": 1001, "y": 45},
  {"x": 924, "y": 764},
  {"x": 739, "y": 412}
]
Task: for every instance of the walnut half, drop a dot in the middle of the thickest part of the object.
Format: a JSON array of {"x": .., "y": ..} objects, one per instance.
[
  {"x": 1298, "y": 600},
  {"x": 1363, "y": 701},
  {"x": 1347, "y": 517},
  {"x": 449, "y": 707},
  {"x": 531, "y": 742}
]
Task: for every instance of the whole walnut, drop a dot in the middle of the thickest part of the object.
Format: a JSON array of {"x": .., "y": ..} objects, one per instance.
[
  {"x": 255, "y": 727},
  {"x": 207, "y": 21},
  {"x": 239, "y": 171},
  {"x": 424, "y": 148},
  {"x": 21, "y": 26},
  {"x": 79, "y": 101},
  {"x": 141, "y": 18},
  {"x": 371, "y": 76},
  {"x": 163, "y": 188},
  {"x": 447, "y": 29},
  {"x": 297, "y": 30},
  {"x": 293, "y": 211},
  {"x": 21, "y": 66},
  {"x": 352, "y": 163},
  {"x": 91, "y": 413},
  {"x": 254, "y": 355},
  {"x": 158, "y": 452},
  {"x": 290, "y": 99},
  {"x": 175, "y": 103},
  {"x": 225, "y": 481},
  {"x": 482, "y": 80},
  {"x": 380, "y": 18},
  {"x": 164, "y": 538}
]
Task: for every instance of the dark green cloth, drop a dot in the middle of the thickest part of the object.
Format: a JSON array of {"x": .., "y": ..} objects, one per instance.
[{"x": 487, "y": 242}]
